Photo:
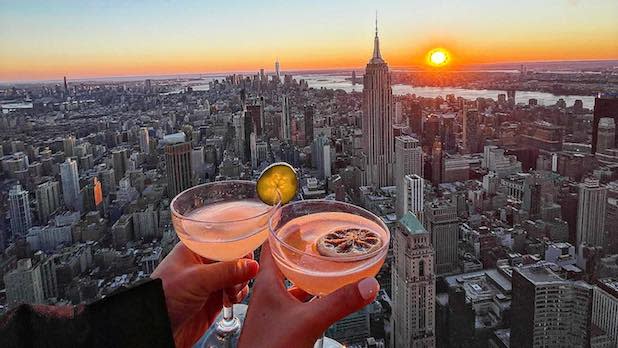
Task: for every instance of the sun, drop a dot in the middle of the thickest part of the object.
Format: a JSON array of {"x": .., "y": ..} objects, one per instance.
[{"x": 438, "y": 57}]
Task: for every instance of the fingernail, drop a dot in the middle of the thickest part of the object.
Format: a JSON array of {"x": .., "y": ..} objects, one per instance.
[
  {"x": 252, "y": 266},
  {"x": 368, "y": 288}
]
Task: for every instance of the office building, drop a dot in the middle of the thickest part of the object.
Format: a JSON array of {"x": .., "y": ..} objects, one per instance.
[
  {"x": 605, "y": 313},
  {"x": 413, "y": 195},
  {"x": 548, "y": 311},
  {"x": 24, "y": 284},
  {"x": 378, "y": 120},
  {"x": 178, "y": 167},
  {"x": 414, "y": 285},
  {"x": 285, "y": 120},
  {"x": 443, "y": 225},
  {"x": 308, "y": 118},
  {"x": 120, "y": 163},
  {"x": 591, "y": 207},
  {"x": 471, "y": 128}
]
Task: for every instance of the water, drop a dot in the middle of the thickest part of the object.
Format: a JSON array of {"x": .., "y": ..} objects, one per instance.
[{"x": 343, "y": 82}]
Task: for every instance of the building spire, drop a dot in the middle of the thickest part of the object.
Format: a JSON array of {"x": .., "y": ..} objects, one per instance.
[{"x": 377, "y": 57}]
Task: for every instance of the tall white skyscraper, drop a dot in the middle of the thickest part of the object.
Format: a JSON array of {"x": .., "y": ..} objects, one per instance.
[
  {"x": 19, "y": 210},
  {"x": 413, "y": 195},
  {"x": 144, "y": 140},
  {"x": 591, "y": 213},
  {"x": 378, "y": 119},
  {"x": 414, "y": 285},
  {"x": 285, "y": 119},
  {"x": 70, "y": 184},
  {"x": 408, "y": 160}
]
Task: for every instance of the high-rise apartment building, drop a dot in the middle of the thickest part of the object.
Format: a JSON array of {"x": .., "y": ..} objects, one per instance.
[
  {"x": 548, "y": 311},
  {"x": 308, "y": 118},
  {"x": 591, "y": 207},
  {"x": 47, "y": 199},
  {"x": 443, "y": 225},
  {"x": 69, "y": 176},
  {"x": 120, "y": 162},
  {"x": 378, "y": 119},
  {"x": 178, "y": 167},
  {"x": 605, "y": 313},
  {"x": 408, "y": 160},
  {"x": 414, "y": 285},
  {"x": 24, "y": 284},
  {"x": 68, "y": 145},
  {"x": 19, "y": 210},
  {"x": 144, "y": 140}
]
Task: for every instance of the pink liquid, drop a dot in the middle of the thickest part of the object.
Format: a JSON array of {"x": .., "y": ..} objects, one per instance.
[
  {"x": 224, "y": 237},
  {"x": 314, "y": 273}
]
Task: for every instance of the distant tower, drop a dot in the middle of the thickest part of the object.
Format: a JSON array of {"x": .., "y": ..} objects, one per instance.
[
  {"x": 68, "y": 145},
  {"x": 408, "y": 160},
  {"x": 591, "y": 213},
  {"x": 285, "y": 119},
  {"x": 48, "y": 200},
  {"x": 277, "y": 69},
  {"x": 353, "y": 77},
  {"x": 66, "y": 87},
  {"x": 437, "y": 162},
  {"x": 70, "y": 184},
  {"x": 378, "y": 119},
  {"x": 19, "y": 210},
  {"x": 178, "y": 167},
  {"x": 414, "y": 285}
]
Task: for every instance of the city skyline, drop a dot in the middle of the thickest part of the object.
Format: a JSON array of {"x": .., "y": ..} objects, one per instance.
[{"x": 100, "y": 39}]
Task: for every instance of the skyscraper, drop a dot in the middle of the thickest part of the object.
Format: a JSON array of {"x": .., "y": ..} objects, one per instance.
[
  {"x": 437, "y": 162},
  {"x": 308, "y": 118},
  {"x": 378, "y": 119},
  {"x": 591, "y": 213},
  {"x": 604, "y": 106},
  {"x": 414, "y": 285},
  {"x": 144, "y": 140},
  {"x": 68, "y": 145},
  {"x": 408, "y": 160},
  {"x": 19, "y": 210},
  {"x": 470, "y": 130},
  {"x": 548, "y": 311},
  {"x": 285, "y": 119},
  {"x": 606, "y": 134},
  {"x": 48, "y": 200},
  {"x": 178, "y": 167},
  {"x": 70, "y": 184},
  {"x": 24, "y": 284},
  {"x": 277, "y": 69},
  {"x": 443, "y": 225}
]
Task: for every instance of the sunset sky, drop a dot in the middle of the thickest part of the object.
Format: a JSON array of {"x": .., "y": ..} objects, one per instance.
[{"x": 45, "y": 40}]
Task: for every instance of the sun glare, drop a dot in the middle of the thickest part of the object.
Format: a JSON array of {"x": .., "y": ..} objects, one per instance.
[{"x": 438, "y": 57}]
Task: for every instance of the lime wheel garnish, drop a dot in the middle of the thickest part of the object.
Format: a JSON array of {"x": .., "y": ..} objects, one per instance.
[
  {"x": 348, "y": 242},
  {"x": 278, "y": 182}
]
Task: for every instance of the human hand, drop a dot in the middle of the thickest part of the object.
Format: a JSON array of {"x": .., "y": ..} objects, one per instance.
[
  {"x": 288, "y": 320},
  {"x": 194, "y": 286}
]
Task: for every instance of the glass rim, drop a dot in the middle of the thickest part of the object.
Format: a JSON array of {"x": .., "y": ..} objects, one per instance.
[
  {"x": 372, "y": 254},
  {"x": 179, "y": 215}
]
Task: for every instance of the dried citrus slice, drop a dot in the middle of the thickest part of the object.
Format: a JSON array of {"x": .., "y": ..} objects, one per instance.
[
  {"x": 278, "y": 179},
  {"x": 348, "y": 242}
]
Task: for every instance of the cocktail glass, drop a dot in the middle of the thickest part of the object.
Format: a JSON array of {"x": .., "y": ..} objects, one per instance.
[
  {"x": 295, "y": 230},
  {"x": 222, "y": 221}
]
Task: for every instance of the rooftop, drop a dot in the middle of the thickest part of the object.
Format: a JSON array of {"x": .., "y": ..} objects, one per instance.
[{"x": 411, "y": 224}]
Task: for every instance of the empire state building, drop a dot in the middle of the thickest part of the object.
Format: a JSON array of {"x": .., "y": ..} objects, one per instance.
[{"x": 378, "y": 141}]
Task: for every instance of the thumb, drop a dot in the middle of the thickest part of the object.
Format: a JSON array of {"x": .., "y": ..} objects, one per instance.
[
  {"x": 343, "y": 302},
  {"x": 220, "y": 275}
]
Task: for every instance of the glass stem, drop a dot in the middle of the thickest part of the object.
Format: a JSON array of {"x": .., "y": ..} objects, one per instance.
[
  {"x": 228, "y": 309},
  {"x": 229, "y": 325}
]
